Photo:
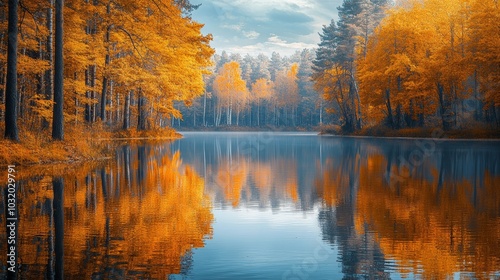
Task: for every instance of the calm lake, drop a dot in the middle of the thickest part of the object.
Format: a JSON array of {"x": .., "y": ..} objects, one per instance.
[{"x": 266, "y": 206}]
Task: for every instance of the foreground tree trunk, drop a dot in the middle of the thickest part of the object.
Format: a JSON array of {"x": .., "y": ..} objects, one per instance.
[
  {"x": 141, "y": 112},
  {"x": 11, "y": 130},
  {"x": 58, "y": 117}
]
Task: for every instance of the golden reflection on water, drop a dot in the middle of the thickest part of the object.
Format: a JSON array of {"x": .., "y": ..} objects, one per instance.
[
  {"x": 137, "y": 217},
  {"x": 433, "y": 223},
  {"x": 235, "y": 178}
]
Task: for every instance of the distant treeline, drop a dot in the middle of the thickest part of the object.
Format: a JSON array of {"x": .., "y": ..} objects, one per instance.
[{"x": 257, "y": 91}]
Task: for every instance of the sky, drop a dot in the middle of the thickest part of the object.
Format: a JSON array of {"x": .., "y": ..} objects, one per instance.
[{"x": 264, "y": 26}]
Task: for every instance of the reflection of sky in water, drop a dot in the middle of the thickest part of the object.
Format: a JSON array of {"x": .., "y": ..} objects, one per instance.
[{"x": 260, "y": 244}]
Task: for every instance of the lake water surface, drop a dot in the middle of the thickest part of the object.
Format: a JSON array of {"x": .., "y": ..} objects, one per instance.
[{"x": 263, "y": 205}]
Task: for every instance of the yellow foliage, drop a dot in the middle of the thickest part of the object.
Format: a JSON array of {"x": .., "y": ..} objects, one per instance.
[
  {"x": 423, "y": 54},
  {"x": 229, "y": 87},
  {"x": 262, "y": 89},
  {"x": 165, "y": 213}
]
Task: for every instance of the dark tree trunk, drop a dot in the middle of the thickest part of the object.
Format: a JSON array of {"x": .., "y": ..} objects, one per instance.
[
  {"x": 399, "y": 115},
  {"x": 105, "y": 77},
  {"x": 11, "y": 130},
  {"x": 126, "y": 112},
  {"x": 204, "y": 108},
  {"x": 141, "y": 112},
  {"x": 444, "y": 108},
  {"x": 410, "y": 116},
  {"x": 93, "y": 94},
  {"x": 58, "y": 117},
  {"x": 58, "y": 187},
  {"x": 103, "y": 97},
  {"x": 390, "y": 118},
  {"x": 87, "y": 95}
]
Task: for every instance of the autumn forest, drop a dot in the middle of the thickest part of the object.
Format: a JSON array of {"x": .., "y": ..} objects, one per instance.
[
  {"x": 403, "y": 65},
  {"x": 398, "y": 65}
]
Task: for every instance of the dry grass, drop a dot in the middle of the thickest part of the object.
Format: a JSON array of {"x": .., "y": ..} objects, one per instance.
[
  {"x": 37, "y": 147},
  {"x": 162, "y": 133},
  {"x": 81, "y": 143}
]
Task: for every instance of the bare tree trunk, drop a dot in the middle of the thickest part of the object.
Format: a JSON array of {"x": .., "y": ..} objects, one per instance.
[
  {"x": 389, "y": 107},
  {"x": 93, "y": 93},
  {"x": 126, "y": 112},
  {"x": 58, "y": 117},
  {"x": 141, "y": 118},
  {"x": 111, "y": 107},
  {"x": 444, "y": 107},
  {"x": 87, "y": 96},
  {"x": 11, "y": 130},
  {"x": 102, "y": 114},
  {"x": 117, "y": 114},
  {"x": 204, "y": 108}
]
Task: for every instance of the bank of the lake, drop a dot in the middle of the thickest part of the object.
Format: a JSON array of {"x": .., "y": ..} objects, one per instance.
[
  {"x": 436, "y": 132},
  {"x": 81, "y": 144}
]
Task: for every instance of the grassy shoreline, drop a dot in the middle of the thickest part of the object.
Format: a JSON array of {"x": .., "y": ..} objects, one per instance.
[{"x": 81, "y": 144}]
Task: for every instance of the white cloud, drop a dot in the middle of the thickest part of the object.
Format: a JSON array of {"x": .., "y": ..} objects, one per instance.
[
  {"x": 275, "y": 40},
  {"x": 273, "y": 43},
  {"x": 251, "y": 34}
]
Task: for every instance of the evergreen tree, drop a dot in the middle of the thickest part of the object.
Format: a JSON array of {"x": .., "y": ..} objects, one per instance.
[
  {"x": 336, "y": 55},
  {"x": 326, "y": 48},
  {"x": 275, "y": 65},
  {"x": 246, "y": 69},
  {"x": 261, "y": 68}
]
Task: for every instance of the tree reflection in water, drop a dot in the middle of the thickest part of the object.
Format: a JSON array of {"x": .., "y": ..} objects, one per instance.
[
  {"x": 139, "y": 216},
  {"x": 437, "y": 218}
]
